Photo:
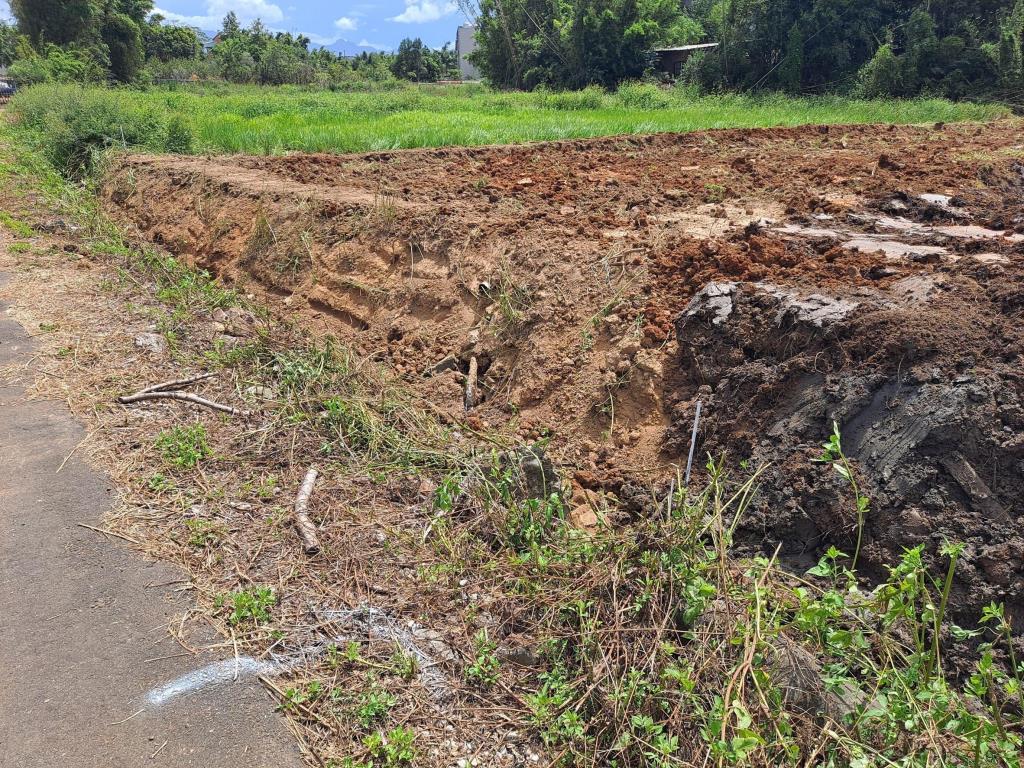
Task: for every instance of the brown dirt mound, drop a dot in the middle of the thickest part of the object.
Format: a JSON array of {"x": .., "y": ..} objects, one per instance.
[{"x": 562, "y": 268}]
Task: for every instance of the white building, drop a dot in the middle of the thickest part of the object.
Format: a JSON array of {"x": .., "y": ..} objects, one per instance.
[{"x": 465, "y": 44}]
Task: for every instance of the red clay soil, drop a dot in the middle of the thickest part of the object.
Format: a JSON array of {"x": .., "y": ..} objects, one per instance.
[{"x": 568, "y": 271}]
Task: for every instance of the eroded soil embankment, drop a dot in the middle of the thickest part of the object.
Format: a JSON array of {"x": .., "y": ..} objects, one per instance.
[{"x": 785, "y": 278}]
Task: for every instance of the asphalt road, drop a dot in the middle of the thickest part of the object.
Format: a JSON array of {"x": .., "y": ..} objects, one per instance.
[{"x": 83, "y": 622}]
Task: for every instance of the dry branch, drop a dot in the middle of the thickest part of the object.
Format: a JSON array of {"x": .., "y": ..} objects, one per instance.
[
  {"x": 176, "y": 383},
  {"x": 187, "y": 397},
  {"x": 470, "y": 399},
  {"x": 303, "y": 525}
]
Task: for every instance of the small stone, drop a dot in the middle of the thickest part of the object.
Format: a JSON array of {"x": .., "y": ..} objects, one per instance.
[
  {"x": 449, "y": 363},
  {"x": 151, "y": 342},
  {"x": 261, "y": 392}
]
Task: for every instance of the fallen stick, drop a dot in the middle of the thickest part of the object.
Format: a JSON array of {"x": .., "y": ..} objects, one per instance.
[
  {"x": 105, "y": 532},
  {"x": 303, "y": 525},
  {"x": 176, "y": 383},
  {"x": 693, "y": 444},
  {"x": 186, "y": 397},
  {"x": 470, "y": 397}
]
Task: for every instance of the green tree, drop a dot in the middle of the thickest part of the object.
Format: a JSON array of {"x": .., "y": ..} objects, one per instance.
[
  {"x": 571, "y": 44},
  {"x": 415, "y": 61},
  {"x": 882, "y": 76},
  {"x": 107, "y": 31},
  {"x": 56, "y": 21},
  {"x": 9, "y": 39},
  {"x": 124, "y": 45},
  {"x": 284, "y": 63},
  {"x": 230, "y": 27},
  {"x": 792, "y": 68},
  {"x": 235, "y": 62},
  {"x": 169, "y": 42}
]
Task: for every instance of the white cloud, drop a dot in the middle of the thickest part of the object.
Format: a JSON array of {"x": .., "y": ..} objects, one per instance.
[
  {"x": 367, "y": 44},
  {"x": 246, "y": 10},
  {"x": 421, "y": 11},
  {"x": 346, "y": 24}
]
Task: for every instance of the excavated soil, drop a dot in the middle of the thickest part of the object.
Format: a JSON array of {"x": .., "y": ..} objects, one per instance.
[{"x": 786, "y": 279}]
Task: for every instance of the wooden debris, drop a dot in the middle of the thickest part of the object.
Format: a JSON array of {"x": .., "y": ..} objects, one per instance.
[
  {"x": 187, "y": 397},
  {"x": 303, "y": 525},
  {"x": 176, "y": 383},
  {"x": 470, "y": 398},
  {"x": 169, "y": 390}
]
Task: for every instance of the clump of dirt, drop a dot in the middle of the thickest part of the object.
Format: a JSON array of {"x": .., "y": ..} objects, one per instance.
[
  {"x": 583, "y": 281},
  {"x": 924, "y": 379}
]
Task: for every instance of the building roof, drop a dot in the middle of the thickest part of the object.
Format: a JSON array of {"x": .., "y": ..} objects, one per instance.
[{"x": 698, "y": 47}]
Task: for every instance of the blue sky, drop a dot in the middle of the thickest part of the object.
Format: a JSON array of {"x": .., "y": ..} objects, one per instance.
[{"x": 381, "y": 24}]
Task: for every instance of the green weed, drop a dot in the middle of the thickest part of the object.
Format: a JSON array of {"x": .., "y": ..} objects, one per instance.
[
  {"x": 833, "y": 454},
  {"x": 295, "y": 699},
  {"x": 714, "y": 193},
  {"x": 485, "y": 666},
  {"x": 14, "y": 226},
  {"x": 394, "y": 749},
  {"x": 202, "y": 533},
  {"x": 404, "y": 664},
  {"x": 159, "y": 482},
  {"x": 374, "y": 705},
  {"x": 251, "y": 606},
  {"x": 184, "y": 447}
]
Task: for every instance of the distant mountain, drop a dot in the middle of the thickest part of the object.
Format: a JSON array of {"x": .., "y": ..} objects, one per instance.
[{"x": 348, "y": 48}]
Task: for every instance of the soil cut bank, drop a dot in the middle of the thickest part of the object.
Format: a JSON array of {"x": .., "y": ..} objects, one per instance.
[{"x": 785, "y": 278}]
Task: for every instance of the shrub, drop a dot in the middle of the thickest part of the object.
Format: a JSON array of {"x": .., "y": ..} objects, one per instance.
[
  {"x": 73, "y": 125},
  {"x": 179, "y": 136},
  {"x": 591, "y": 97},
  {"x": 636, "y": 95},
  {"x": 882, "y": 76},
  {"x": 30, "y": 71},
  {"x": 64, "y": 65}
]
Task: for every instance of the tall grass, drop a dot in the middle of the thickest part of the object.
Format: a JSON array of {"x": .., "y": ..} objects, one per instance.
[{"x": 259, "y": 120}]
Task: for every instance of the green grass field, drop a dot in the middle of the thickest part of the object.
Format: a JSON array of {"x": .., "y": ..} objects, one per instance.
[
  {"x": 246, "y": 120},
  {"x": 252, "y": 119}
]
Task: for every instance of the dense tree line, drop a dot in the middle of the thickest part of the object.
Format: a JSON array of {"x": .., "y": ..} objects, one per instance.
[
  {"x": 951, "y": 48},
  {"x": 124, "y": 41}
]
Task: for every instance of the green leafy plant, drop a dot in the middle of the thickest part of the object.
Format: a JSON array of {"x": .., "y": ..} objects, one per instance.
[
  {"x": 202, "y": 533},
  {"x": 373, "y": 705},
  {"x": 159, "y": 482},
  {"x": 833, "y": 454},
  {"x": 404, "y": 664},
  {"x": 485, "y": 666},
  {"x": 395, "y": 748},
  {"x": 252, "y": 606},
  {"x": 184, "y": 447}
]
